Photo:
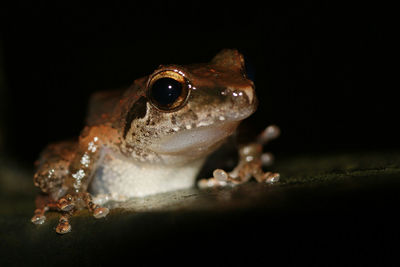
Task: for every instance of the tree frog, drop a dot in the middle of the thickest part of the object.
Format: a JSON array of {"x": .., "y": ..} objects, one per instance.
[{"x": 151, "y": 138}]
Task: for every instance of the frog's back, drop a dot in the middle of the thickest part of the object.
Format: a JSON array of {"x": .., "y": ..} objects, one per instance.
[{"x": 101, "y": 106}]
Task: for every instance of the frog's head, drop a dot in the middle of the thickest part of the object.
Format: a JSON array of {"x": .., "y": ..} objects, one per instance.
[{"x": 186, "y": 112}]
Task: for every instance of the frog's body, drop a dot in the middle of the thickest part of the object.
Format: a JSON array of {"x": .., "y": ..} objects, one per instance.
[{"x": 151, "y": 138}]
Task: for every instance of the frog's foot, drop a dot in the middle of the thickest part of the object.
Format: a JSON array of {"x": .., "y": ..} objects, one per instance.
[
  {"x": 70, "y": 203},
  {"x": 39, "y": 217},
  {"x": 251, "y": 160},
  {"x": 63, "y": 226},
  {"x": 65, "y": 205},
  {"x": 222, "y": 178}
]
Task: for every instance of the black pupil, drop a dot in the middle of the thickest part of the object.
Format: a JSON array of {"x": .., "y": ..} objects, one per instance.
[{"x": 165, "y": 91}]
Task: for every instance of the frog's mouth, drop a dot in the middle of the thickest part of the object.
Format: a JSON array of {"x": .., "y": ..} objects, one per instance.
[{"x": 196, "y": 142}]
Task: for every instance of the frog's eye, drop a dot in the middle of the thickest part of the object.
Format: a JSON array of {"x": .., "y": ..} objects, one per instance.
[{"x": 168, "y": 90}]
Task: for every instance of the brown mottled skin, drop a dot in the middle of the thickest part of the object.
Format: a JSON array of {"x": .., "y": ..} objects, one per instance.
[{"x": 127, "y": 123}]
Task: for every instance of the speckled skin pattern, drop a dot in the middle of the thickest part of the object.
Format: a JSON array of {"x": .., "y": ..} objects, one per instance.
[{"x": 128, "y": 137}]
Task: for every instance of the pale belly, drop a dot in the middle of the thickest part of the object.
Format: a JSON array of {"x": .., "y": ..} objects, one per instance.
[{"x": 120, "y": 179}]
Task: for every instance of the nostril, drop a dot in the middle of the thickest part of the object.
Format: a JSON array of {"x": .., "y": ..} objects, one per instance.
[
  {"x": 240, "y": 94},
  {"x": 237, "y": 93}
]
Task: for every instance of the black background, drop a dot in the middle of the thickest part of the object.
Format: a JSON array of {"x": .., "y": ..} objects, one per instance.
[{"x": 321, "y": 68}]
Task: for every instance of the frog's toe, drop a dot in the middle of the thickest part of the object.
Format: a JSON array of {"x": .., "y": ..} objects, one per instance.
[
  {"x": 38, "y": 219},
  {"x": 211, "y": 183},
  {"x": 97, "y": 211},
  {"x": 220, "y": 175},
  {"x": 100, "y": 212},
  {"x": 207, "y": 183},
  {"x": 272, "y": 177},
  {"x": 66, "y": 203},
  {"x": 267, "y": 159},
  {"x": 63, "y": 226},
  {"x": 270, "y": 133}
]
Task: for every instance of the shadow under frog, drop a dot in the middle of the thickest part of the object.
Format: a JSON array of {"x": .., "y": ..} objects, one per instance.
[{"x": 153, "y": 137}]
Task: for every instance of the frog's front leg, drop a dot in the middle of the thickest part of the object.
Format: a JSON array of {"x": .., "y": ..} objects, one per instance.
[
  {"x": 52, "y": 168},
  {"x": 64, "y": 174},
  {"x": 81, "y": 171},
  {"x": 50, "y": 199},
  {"x": 251, "y": 161}
]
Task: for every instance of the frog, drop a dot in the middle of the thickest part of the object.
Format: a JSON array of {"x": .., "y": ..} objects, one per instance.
[{"x": 153, "y": 137}]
